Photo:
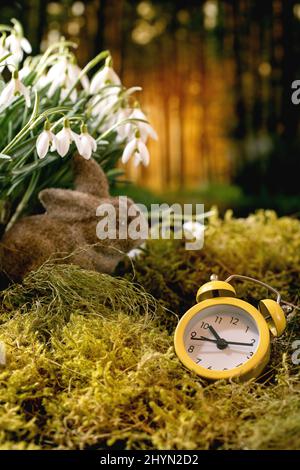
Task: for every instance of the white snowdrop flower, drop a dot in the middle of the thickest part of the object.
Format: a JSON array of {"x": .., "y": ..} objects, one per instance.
[
  {"x": 44, "y": 140},
  {"x": 87, "y": 144},
  {"x": 144, "y": 127},
  {"x": 24, "y": 71},
  {"x": 65, "y": 91},
  {"x": 57, "y": 70},
  {"x": 41, "y": 82},
  {"x": 64, "y": 74},
  {"x": 55, "y": 84},
  {"x": 104, "y": 76},
  {"x": 102, "y": 106},
  {"x": 13, "y": 89},
  {"x": 74, "y": 72},
  {"x": 65, "y": 67},
  {"x": 56, "y": 76},
  {"x": 18, "y": 45},
  {"x": 138, "y": 150},
  {"x": 122, "y": 129},
  {"x": 28, "y": 66},
  {"x": 193, "y": 229},
  {"x": 64, "y": 138},
  {"x": 136, "y": 252}
]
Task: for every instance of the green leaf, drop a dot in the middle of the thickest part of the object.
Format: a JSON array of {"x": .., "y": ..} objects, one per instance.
[
  {"x": 28, "y": 169},
  {"x": 35, "y": 107},
  {"x": 115, "y": 172},
  {"x": 4, "y": 57}
]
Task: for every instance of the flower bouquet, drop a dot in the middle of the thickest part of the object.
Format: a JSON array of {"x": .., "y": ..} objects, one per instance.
[{"x": 51, "y": 109}]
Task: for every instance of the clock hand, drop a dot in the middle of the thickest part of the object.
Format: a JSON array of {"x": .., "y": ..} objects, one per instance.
[
  {"x": 203, "y": 338},
  {"x": 213, "y": 331},
  {"x": 220, "y": 343},
  {"x": 240, "y": 344}
]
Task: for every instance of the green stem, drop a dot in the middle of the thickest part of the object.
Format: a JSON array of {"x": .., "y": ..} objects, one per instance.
[
  {"x": 5, "y": 57},
  {"x": 54, "y": 46},
  {"x": 51, "y": 60},
  {"x": 70, "y": 118},
  {"x": 3, "y": 27},
  {"x": 115, "y": 126},
  {"x": 24, "y": 201},
  {"x": 103, "y": 55},
  {"x": 22, "y": 132},
  {"x": 31, "y": 125},
  {"x": 102, "y": 97}
]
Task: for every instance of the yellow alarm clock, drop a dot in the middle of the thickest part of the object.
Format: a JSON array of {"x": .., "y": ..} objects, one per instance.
[{"x": 222, "y": 337}]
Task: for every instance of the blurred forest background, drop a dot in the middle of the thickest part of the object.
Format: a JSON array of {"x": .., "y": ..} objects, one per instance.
[{"x": 216, "y": 78}]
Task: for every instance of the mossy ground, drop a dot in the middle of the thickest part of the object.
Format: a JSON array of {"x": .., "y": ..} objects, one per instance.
[{"x": 90, "y": 358}]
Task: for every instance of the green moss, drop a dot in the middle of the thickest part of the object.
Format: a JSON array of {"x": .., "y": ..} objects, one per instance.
[
  {"x": 90, "y": 358},
  {"x": 262, "y": 246},
  {"x": 53, "y": 293}
]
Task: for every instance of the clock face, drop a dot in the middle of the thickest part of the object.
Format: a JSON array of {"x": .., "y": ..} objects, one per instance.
[{"x": 221, "y": 337}]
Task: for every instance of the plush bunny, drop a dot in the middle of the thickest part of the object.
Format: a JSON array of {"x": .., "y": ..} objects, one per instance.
[{"x": 66, "y": 232}]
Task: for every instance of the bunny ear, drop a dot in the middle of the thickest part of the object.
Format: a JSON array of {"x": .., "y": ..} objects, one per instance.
[
  {"x": 68, "y": 205},
  {"x": 89, "y": 177}
]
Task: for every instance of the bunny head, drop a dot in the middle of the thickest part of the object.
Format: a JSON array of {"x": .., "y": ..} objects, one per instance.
[
  {"x": 90, "y": 207},
  {"x": 75, "y": 228}
]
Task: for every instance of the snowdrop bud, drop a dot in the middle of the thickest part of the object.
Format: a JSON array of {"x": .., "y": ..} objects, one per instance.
[
  {"x": 64, "y": 138},
  {"x": 86, "y": 144},
  {"x": 129, "y": 149},
  {"x": 142, "y": 156},
  {"x": 105, "y": 75},
  {"x": 144, "y": 127},
  {"x": 21, "y": 89},
  {"x": 74, "y": 71},
  {"x": 18, "y": 45},
  {"x": 13, "y": 89},
  {"x": 136, "y": 148},
  {"x": 44, "y": 140}
]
